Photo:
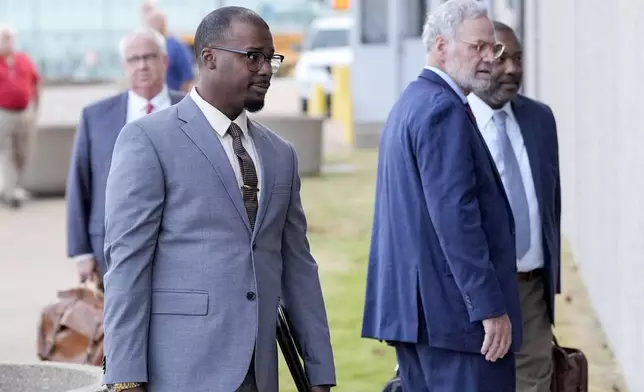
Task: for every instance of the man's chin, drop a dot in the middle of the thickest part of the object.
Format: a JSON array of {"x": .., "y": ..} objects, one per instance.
[
  {"x": 480, "y": 84},
  {"x": 254, "y": 106}
]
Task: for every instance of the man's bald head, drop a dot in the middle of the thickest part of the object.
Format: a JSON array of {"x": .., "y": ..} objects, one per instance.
[
  {"x": 7, "y": 39},
  {"x": 156, "y": 19}
]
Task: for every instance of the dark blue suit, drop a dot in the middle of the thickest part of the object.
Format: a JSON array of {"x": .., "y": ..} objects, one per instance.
[
  {"x": 442, "y": 255},
  {"x": 539, "y": 131},
  {"x": 99, "y": 125}
]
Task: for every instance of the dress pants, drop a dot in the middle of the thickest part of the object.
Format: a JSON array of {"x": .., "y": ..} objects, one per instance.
[
  {"x": 424, "y": 368},
  {"x": 534, "y": 359},
  {"x": 249, "y": 384}
]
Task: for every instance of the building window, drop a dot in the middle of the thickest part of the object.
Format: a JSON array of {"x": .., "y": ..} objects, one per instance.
[
  {"x": 414, "y": 15},
  {"x": 374, "y": 21}
]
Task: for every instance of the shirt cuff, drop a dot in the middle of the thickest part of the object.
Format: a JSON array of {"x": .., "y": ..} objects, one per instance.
[{"x": 83, "y": 257}]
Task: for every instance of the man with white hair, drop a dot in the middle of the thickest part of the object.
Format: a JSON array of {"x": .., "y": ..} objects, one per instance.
[
  {"x": 442, "y": 281},
  {"x": 144, "y": 58},
  {"x": 19, "y": 95}
]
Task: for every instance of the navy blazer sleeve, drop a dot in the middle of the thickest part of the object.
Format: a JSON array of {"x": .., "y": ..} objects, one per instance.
[
  {"x": 557, "y": 208},
  {"x": 78, "y": 193},
  {"x": 443, "y": 148}
]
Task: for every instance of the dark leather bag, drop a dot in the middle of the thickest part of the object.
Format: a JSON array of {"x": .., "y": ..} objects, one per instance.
[
  {"x": 570, "y": 369},
  {"x": 71, "y": 329}
]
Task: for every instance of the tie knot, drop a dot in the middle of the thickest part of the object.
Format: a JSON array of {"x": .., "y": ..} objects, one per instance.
[
  {"x": 149, "y": 107},
  {"x": 500, "y": 115},
  {"x": 234, "y": 130}
]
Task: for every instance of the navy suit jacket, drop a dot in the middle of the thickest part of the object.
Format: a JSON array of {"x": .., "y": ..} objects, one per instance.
[
  {"x": 539, "y": 130},
  {"x": 443, "y": 232},
  {"x": 98, "y": 128}
]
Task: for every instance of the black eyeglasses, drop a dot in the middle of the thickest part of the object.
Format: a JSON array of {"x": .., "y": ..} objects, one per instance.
[{"x": 256, "y": 59}]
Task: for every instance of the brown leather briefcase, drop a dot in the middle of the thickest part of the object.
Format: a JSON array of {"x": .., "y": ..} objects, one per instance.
[
  {"x": 570, "y": 369},
  {"x": 71, "y": 329}
]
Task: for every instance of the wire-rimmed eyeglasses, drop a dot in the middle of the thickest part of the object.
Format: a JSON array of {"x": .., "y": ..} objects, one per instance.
[
  {"x": 256, "y": 59},
  {"x": 484, "y": 48}
]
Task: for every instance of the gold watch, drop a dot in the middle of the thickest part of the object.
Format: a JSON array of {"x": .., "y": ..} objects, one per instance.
[{"x": 124, "y": 386}]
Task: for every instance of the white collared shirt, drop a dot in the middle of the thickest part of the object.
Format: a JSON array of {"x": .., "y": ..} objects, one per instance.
[
  {"x": 220, "y": 123},
  {"x": 137, "y": 105},
  {"x": 484, "y": 119}
]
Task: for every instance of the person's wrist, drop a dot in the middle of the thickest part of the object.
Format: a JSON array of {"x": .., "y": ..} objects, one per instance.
[{"x": 123, "y": 386}]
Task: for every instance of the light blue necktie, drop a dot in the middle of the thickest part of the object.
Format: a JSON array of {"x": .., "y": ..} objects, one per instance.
[{"x": 514, "y": 186}]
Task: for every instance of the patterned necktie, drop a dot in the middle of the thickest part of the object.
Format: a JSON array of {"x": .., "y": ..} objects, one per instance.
[
  {"x": 514, "y": 186},
  {"x": 149, "y": 108},
  {"x": 249, "y": 175}
]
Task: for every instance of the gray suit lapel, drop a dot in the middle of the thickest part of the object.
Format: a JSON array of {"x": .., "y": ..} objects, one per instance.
[
  {"x": 265, "y": 151},
  {"x": 198, "y": 129}
]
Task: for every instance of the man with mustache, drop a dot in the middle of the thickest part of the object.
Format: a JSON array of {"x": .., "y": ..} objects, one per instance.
[
  {"x": 205, "y": 233},
  {"x": 442, "y": 285},
  {"x": 521, "y": 135}
]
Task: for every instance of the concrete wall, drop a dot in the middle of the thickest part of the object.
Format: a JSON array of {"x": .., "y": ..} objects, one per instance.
[{"x": 583, "y": 59}]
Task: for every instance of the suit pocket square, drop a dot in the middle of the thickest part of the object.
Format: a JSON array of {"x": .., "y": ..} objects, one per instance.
[{"x": 188, "y": 303}]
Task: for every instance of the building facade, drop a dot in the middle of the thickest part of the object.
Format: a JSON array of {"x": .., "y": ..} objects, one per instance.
[{"x": 583, "y": 59}]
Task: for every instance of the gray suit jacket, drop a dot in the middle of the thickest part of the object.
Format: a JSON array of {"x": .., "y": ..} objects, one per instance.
[
  {"x": 191, "y": 292},
  {"x": 99, "y": 125}
]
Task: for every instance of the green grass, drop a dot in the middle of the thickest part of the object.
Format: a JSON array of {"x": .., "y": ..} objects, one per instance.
[{"x": 339, "y": 209}]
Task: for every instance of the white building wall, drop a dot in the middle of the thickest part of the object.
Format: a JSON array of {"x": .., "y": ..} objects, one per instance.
[{"x": 585, "y": 60}]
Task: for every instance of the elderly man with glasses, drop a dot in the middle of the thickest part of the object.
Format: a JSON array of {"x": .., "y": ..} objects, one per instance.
[
  {"x": 144, "y": 62},
  {"x": 442, "y": 284},
  {"x": 205, "y": 233}
]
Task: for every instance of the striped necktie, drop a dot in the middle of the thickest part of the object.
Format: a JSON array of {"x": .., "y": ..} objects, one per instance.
[{"x": 249, "y": 174}]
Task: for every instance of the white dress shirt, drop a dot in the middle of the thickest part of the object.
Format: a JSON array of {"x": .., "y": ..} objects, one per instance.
[
  {"x": 137, "y": 105},
  {"x": 137, "y": 108},
  {"x": 220, "y": 123},
  {"x": 533, "y": 259}
]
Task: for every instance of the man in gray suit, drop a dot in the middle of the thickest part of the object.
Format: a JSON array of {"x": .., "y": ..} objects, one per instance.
[
  {"x": 144, "y": 57},
  {"x": 205, "y": 232}
]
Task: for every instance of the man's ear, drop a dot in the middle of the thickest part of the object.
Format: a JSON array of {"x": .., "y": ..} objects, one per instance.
[
  {"x": 440, "y": 45},
  {"x": 208, "y": 58}
]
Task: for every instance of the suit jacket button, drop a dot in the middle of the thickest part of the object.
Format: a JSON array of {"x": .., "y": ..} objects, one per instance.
[
  {"x": 250, "y": 296},
  {"x": 254, "y": 246}
]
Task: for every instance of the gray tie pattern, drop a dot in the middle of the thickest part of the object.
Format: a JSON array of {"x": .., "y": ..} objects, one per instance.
[
  {"x": 514, "y": 186},
  {"x": 249, "y": 174}
]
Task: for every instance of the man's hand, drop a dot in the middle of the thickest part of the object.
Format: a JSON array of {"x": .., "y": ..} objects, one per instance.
[
  {"x": 498, "y": 337},
  {"x": 87, "y": 270},
  {"x": 321, "y": 388}
]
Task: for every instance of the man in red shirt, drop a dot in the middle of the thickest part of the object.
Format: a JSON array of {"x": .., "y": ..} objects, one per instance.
[{"x": 18, "y": 105}]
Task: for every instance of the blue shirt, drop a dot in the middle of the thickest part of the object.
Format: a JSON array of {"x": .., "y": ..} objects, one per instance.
[{"x": 179, "y": 64}]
